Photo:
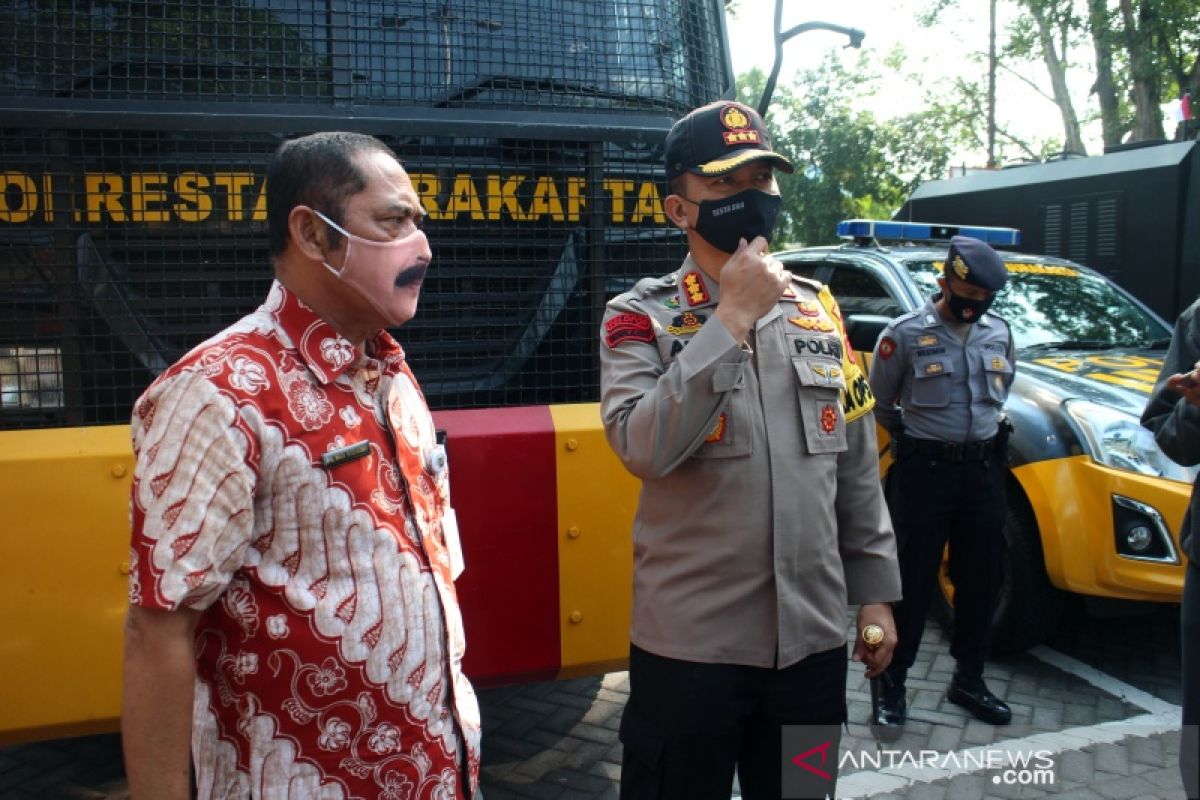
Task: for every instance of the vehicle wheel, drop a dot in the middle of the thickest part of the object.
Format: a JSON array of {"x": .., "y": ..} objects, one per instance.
[{"x": 1028, "y": 605}]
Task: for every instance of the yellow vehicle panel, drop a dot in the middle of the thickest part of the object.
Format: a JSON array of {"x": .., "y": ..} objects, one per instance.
[
  {"x": 65, "y": 548},
  {"x": 1072, "y": 500}
]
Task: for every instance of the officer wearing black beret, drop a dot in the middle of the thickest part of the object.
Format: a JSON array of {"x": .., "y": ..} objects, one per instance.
[{"x": 940, "y": 377}]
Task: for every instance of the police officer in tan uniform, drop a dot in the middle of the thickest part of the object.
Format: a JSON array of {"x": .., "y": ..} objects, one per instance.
[
  {"x": 940, "y": 375},
  {"x": 729, "y": 388}
]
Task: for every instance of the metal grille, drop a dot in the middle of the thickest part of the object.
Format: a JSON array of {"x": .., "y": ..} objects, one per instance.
[{"x": 134, "y": 147}]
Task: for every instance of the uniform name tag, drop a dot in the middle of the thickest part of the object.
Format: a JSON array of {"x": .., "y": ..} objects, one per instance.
[{"x": 340, "y": 456}]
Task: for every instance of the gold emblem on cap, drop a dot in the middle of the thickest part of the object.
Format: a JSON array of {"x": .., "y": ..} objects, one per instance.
[
  {"x": 960, "y": 267},
  {"x": 872, "y": 635},
  {"x": 733, "y": 118}
]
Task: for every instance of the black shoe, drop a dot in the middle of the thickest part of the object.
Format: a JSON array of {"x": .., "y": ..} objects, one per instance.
[
  {"x": 889, "y": 711},
  {"x": 973, "y": 695}
]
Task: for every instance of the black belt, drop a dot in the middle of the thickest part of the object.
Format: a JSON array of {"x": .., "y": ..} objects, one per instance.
[{"x": 956, "y": 452}]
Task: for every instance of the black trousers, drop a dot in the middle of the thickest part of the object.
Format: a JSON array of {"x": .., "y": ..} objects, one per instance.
[
  {"x": 932, "y": 502},
  {"x": 688, "y": 726},
  {"x": 1189, "y": 634}
]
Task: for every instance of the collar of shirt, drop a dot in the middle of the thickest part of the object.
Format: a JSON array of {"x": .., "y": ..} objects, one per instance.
[{"x": 325, "y": 352}]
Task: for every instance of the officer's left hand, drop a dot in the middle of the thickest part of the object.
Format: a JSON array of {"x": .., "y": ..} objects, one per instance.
[
  {"x": 1187, "y": 385},
  {"x": 877, "y": 658}
]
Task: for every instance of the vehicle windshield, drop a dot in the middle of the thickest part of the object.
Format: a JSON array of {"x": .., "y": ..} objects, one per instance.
[{"x": 1057, "y": 305}]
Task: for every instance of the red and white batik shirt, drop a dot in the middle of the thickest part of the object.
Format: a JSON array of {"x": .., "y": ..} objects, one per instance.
[{"x": 330, "y": 646}]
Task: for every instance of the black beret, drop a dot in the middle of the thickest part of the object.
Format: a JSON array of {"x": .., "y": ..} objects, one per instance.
[{"x": 975, "y": 262}]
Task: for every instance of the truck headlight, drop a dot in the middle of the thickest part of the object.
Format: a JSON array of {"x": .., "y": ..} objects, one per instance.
[
  {"x": 1118, "y": 440},
  {"x": 30, "y": 377}
]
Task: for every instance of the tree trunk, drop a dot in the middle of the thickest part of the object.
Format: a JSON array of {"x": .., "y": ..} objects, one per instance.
[
  {"x": 1147, "y": 120},
  {"x": 1073, "y": 139},
  {"x": 1111, "y": 125}
]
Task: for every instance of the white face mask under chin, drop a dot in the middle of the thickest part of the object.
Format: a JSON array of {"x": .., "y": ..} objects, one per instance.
[{"x": 371, "y": 269}]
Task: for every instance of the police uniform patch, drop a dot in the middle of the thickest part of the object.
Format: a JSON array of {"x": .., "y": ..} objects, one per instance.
[
  {"x": 686, "y": 323},
  {"x": 628, "y": 328},
  {"x": 789, "y": 293},
  {"x": 808, "y": 309},
  {"x": 819, "y": 346},
  {"x": 887, "y": 346},
  {"x": 672, "y": 302},
  {"x": 934, "y": 368},
  {"x": 829, "y": 418},
  {"x": 997, "y": 362},
  {"x": 829, "y": 373},
  {"x": 693, "y": 286},
  {"x": 718, "y": 431},
  {"x": 927, "y": 340}
]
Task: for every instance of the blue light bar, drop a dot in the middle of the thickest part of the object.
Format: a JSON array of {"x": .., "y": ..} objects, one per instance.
[{"x": 924, "y": 232}]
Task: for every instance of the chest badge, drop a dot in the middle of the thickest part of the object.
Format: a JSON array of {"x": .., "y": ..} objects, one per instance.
[
  {"x": 808, "y": 309},
  {"x": 829, "y": 418},
  {"x": 934, "y": 368},
  {"x": 686, "y": 323},
  {"x": 927, "y": 340},
  {"x": 997, "y": 362},
  {"x": 810, "y": 318},
  {"x": 718, "y": 431}
]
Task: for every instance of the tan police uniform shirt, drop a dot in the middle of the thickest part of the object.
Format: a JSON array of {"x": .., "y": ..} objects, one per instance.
[{"x": 761, "y": 513}]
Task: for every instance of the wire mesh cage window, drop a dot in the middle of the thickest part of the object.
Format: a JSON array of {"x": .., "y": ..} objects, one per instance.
[{"x": 132, "y": 177}]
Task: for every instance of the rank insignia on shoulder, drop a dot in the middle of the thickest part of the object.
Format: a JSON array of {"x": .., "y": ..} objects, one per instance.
[
  {"x": 934, "y": 368},
  {"x": 693, "y": 286},
  {"x": 927, "y": 340},
  {"x": 628, "y": 327},
  {"x": 686, "y": 323},
  {"x": 342, "y": 455},
  {"x": 718, "y": 431},
  {"x": 887, "y": 346}
]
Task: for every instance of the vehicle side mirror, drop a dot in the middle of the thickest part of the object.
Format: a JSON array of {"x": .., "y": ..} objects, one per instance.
[{"x": 863, "y": 330}]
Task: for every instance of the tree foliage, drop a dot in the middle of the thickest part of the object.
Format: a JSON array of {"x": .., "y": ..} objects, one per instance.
[
  {"x": 849, "y": 162},
  {"x": 1143, "y": 52}
]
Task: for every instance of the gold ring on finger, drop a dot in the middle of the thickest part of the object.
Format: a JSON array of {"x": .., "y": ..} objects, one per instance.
[{"x": 872, "y": 636}]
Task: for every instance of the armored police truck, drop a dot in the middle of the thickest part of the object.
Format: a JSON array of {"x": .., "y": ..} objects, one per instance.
[{"x": 133, "y": 141}]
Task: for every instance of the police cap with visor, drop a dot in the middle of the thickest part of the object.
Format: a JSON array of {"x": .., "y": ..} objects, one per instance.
[
  {"x": 718, "y": 138},
  {"x": 973, "y": 261}
]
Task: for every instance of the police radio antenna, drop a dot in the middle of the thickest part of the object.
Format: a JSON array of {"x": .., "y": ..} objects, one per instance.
[{"x": 854, "y": 34}]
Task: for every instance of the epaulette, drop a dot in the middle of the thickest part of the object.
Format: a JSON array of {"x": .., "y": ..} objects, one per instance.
[
  {"x": 905, "y": 317},
  {"x": 645, "y": 287},
  {"x": 815, "y": 285}
]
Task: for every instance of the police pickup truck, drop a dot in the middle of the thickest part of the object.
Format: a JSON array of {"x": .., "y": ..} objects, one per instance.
[{"x": 1094, "y": 505}]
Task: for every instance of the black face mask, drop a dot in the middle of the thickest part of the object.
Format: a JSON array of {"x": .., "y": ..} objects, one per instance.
[
  {"x": 744, "y": 215},
  {"x": 965, "y": 309}
]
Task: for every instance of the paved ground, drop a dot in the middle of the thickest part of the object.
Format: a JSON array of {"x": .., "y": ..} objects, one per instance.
[{"x": 1098, "y": 702}]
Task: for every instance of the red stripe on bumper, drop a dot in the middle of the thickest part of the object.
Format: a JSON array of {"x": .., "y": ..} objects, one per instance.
[{"x": 503, "y": 488}]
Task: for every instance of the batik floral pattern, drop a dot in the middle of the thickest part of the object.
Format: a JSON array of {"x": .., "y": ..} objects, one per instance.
[{"x": 329, "y": 645}]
